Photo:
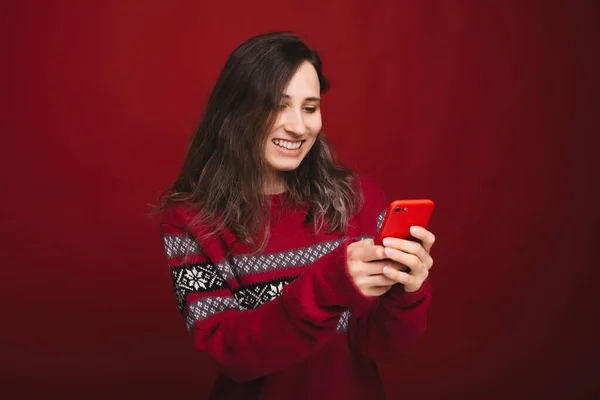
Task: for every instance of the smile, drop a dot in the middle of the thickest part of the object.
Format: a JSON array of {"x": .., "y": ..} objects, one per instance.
[{"x": 288, "y": 145}]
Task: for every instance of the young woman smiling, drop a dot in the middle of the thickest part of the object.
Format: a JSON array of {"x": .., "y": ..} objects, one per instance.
[{"x": 270, "y": 241}]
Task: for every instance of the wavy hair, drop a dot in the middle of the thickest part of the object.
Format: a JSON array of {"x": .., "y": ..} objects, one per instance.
[{"x": 224, "y": 172}]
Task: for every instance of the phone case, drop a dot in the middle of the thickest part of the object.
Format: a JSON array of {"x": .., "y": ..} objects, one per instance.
[{"x": 401, "y": 215}]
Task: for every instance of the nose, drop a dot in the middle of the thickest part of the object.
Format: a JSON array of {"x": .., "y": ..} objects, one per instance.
[{"x": 295, "y": 122}]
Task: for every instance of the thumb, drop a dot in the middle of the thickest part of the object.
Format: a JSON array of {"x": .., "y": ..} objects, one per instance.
[
  {"x": 370, "y": 252},
  {"x": 368, "y": 242}
]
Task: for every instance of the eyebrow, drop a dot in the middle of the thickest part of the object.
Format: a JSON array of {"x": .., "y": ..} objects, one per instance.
[{"x": 317, "y": 99}]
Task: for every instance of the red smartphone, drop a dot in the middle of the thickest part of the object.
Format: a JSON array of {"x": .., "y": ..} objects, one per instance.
[{"x": 401, "y": 215}]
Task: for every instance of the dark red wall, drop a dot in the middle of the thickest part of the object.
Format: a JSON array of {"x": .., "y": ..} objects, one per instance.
[{"x": 488, "y": 107}]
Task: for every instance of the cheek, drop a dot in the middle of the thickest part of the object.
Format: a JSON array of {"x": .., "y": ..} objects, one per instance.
[{"x": 315, "y": 125}]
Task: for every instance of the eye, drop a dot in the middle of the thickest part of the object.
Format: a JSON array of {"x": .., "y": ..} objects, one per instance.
[
  {"x": 282, "y": 107},
  {"x": 310, "y": 110}
]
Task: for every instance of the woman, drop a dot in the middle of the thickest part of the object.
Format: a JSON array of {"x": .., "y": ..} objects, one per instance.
[{"x": 270, "y": 244}]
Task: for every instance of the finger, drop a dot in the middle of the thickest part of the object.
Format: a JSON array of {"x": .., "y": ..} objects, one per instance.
[
  {"x": 410, "y": 260},
  {"x": 368, "y": 241},
  {"x": 427, "y": 238},
  {"x": 396, "y": 265},
  {"x": 407, "y": 246},
  {"x": 377, "y": 291},
  {"x": 372, "y": 268},
  {"x": 429, "y": 263},
  {"x": 399, "y": 276},
  {"x": 378, "y": 280},
  {"x": 410, "y": 282},
  {"x": 375, "y": 267},
  {"x": 372, "y": 253},
  {"x": 367, "y": 281}
]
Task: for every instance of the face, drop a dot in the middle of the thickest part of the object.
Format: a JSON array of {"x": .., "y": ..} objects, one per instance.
[{"x": 298, "y": 122}]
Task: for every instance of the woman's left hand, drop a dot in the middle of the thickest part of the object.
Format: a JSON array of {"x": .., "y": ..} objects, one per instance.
[{"x": 413, "y": 255}]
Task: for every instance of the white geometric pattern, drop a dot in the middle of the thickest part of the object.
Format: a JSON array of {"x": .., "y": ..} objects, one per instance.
[
  {"x": 380, "y": 219},
  {"x": 253, "y": 296},
  {"x": 343, "y": 322},
  {"x": 247, "y": 264},
  {"x": 194, "y": 278},
  {"x": 363, "y": 237},
  {"x": 180, "y": 245},
  {"x": 207, "y": 306}
]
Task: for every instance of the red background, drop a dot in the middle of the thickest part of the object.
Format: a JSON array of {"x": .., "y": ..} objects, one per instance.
[{"x": 488, "y": 107}]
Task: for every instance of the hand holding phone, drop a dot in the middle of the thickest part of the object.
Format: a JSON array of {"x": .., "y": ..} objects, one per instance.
[{"x": 401, "y": 215}]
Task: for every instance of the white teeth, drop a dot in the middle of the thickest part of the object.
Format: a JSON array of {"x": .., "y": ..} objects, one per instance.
[{"x": 287, "y": 145}]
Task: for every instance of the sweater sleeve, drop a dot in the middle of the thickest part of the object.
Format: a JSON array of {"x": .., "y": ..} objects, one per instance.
[
  {"x": 392, "y": 326},
  {"x": 397, "y": 319},
  {"x": 251, "y": 343}
]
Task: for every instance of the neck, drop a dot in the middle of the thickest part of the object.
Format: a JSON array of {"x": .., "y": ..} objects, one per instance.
[{"x": 275, "y": 184}]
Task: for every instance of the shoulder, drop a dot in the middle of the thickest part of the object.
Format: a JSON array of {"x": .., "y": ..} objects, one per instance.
[
  {"x": 374, "y": 206},
  {"x": 175, "y": 214},
  {"x": 178, "y": 215},
  {"x": 187, "y": 219},
  {"x": 371, "y": 190}
]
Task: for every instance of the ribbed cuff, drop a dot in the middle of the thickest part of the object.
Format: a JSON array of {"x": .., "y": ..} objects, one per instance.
[{"x": 403, "y": 299}]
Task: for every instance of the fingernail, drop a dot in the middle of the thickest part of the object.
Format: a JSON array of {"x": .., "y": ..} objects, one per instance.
[
  {"x": 415, "y": 230},
  {"x": 389, "y": 251},
  {"x": 387, "y": 242},
  {"x": 387, "y": 270}
]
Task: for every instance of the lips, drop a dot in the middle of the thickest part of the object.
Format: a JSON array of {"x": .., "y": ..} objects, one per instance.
[{"x": 290, "y": 145}]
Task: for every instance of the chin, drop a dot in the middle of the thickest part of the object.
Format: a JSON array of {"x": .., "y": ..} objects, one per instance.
[{"x": 285, "y": 167}]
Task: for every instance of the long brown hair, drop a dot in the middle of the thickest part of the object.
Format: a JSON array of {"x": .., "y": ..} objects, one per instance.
[{"x": 224, "y": 172}]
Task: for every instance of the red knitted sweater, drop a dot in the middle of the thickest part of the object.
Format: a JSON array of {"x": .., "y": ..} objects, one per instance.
[{"x": 289, "y": 323}]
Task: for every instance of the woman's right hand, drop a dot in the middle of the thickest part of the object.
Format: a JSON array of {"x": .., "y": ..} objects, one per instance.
[{"x": 365, "y": 266}]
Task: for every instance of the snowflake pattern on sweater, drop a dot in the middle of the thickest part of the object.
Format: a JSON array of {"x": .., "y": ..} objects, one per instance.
[{"x": 206, "y": 277}]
